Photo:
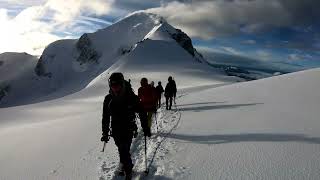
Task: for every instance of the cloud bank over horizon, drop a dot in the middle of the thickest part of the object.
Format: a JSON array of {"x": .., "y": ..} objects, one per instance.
[
  {"x": 39, "y": 23},
  {"x": 276, "y": 29},
  {"x": 225, "y": 17}
]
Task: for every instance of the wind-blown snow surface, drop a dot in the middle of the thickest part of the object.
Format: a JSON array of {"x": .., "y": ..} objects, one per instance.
[{"x": 264, "y": 129}]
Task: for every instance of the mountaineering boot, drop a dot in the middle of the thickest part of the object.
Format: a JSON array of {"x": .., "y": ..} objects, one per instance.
[
  {"x": 120, "y": 170},
  {"x": 128, "y": 172},
  {"x": 128, "y": 176}
]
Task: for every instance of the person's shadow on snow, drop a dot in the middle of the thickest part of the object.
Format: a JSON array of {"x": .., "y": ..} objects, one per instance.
[
  {"x": 231, "y": 138},
  {"x": 205, "y": 106},
  {"x": 249, "y": 137}
]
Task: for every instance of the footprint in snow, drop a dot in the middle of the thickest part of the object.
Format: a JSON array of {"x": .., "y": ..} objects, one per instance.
[{"x": 54, "y": 171}]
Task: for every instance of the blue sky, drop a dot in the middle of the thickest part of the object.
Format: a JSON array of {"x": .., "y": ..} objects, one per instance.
[{"x": 275, "y": 30}]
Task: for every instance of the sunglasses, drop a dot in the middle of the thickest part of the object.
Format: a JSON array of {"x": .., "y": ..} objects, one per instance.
[{"x": 115, "y": 84}]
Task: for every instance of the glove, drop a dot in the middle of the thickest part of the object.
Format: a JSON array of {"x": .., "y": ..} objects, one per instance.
[
  {"x": 105, "y": 138},
  {"x": 147, "y": 132},
  {"x": 134, "y": 130}
]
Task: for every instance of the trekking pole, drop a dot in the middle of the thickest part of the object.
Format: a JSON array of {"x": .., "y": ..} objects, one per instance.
[
  {"x": 155, "y": 116},
  {"x": 104, "y": 145},
  {"x": 145, "y": 155},
  {"x": 175, "y": 104}
]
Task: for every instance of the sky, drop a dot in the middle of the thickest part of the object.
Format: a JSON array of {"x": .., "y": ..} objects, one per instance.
[{"x": 275, "y": 30}]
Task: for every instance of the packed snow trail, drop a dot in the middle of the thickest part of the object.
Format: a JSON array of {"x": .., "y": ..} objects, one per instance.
[{"x": 157, "y": 148}]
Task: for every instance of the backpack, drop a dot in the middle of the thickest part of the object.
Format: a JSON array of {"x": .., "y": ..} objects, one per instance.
[{"x": 147, "y": 97}]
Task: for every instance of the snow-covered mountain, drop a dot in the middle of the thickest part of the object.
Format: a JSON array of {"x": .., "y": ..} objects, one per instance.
[{"x": 136, "y": 43}]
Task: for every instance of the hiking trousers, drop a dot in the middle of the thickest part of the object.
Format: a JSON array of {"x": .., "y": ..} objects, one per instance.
[
  {"x": 123, "y": 142},
  {"x": 168, "y": 102}
]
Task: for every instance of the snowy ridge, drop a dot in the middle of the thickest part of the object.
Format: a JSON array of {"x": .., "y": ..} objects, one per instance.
[{"x": 152, "y": 32}]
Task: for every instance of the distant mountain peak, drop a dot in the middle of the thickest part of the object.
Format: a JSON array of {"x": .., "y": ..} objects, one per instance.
[{"x": 115, "y": 40}]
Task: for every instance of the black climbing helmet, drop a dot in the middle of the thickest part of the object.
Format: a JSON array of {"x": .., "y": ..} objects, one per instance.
[
  {"x": 144, "y": 81},
  {"x": 116, "y": 78}
]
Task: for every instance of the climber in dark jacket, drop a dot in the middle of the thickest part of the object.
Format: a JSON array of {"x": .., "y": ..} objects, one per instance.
[
  {"x": 121, "y": 104},
  {"x": 160, "y": 90},
  {"x": 170, "y": 92}
]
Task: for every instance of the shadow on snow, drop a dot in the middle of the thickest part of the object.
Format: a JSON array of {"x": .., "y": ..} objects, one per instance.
[
  {"x": 249, "y": 137},
  {"x": 199, "y": 103},
  {"x": 212, "y": 107}
]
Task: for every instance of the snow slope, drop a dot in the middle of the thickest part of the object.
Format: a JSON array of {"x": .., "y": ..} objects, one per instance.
[
  {"x": 149, "y": 60},
  {"x": 141, "y": 39},
  {"x": 16, "y": 69},
  {"x": 264, "y": 129}
]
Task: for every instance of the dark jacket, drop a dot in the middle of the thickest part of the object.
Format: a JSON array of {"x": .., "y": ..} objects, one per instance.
[
  {"x": 171, "y": 89},
  {"x": 122, "y": 111},
  {"x": 160, "y": 90}
]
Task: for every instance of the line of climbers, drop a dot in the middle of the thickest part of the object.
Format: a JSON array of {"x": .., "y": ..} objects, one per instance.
[{"x": 120, "y": 107}]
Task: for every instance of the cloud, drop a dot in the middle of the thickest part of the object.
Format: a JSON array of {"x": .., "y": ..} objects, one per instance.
[
  {"x": 250, "y": 41},
  {"x": 263, "y": 54},
  {"x": 36, "y": 26},
  {"x": 24, "y": 34},
  {"x": 65, "y": 11},
  {"x": 134, "y": 5},
  {"x": 293, "y": 57},
  {"x": 208, "y": 18},
  {"x": 96, "y": 20},
  {"x": 299, "y": 57},
  {"x": 231, "y": 50},
  {"x": 22, "y": 2}
]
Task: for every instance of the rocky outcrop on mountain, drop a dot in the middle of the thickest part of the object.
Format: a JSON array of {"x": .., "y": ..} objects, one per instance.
[
  {"x": 87, "y": 52},
  {"x": 184, "y": 40},
  {"x": 4, "y": 90},
  {"x": 186, "y": 43},
  {"x": 40, "y": 68}
]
